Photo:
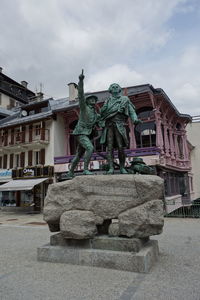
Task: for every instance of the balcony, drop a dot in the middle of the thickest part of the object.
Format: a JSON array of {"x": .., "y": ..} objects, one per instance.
[
  {"x": 36, "y": 138},
  {"x": 99, "y": 155}
]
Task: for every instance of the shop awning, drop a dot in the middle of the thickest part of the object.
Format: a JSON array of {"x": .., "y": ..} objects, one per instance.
[{"x": 21, "y": 184}]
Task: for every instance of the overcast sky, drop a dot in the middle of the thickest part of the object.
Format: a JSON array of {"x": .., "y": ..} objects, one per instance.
[{"x": 130, "y": 42}]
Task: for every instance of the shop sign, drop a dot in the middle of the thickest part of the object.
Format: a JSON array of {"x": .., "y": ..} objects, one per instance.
[
  {"x": 28, "y": 172},
  {"x": 93, "y": 165},
  {"x": 5, "y": 174}
]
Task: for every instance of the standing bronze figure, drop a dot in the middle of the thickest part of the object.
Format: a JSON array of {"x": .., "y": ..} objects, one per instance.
[
  {"x": 114, "y": 115},
  {"x": 84, "y": 127}
]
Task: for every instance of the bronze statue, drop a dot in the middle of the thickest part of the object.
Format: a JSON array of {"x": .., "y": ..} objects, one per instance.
[
  {"x": 87, "y": 120},
  {"x": 114, "y": 115},
  {"x": 138, "y": 166}
]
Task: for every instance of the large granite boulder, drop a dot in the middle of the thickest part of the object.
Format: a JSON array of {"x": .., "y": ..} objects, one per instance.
[
  {"x": 78, "y": 224},
  {"x": 142, "y": 221},
  {"x": 137, "y": 198}
]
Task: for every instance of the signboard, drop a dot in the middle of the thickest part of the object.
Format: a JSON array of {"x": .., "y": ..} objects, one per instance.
[
  {"x": 97, "y": 164},
  {"x": 5, "y": 175},
  {"x": 28, "y": 172},
  {"x": 93, "y": 165}
]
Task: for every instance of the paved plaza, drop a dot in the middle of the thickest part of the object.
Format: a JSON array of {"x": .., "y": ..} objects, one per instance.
[{"x": 175, "y": 276}]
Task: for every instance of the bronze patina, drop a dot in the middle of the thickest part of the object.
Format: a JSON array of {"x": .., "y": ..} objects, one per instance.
[
  {"x": 114, "y": 114},
  {"x": 86, "y": 123},
  {"x": 138, "y": 166}
]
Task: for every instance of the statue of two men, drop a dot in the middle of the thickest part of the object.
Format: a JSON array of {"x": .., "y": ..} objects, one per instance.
[{"x": 112, "y": 118}]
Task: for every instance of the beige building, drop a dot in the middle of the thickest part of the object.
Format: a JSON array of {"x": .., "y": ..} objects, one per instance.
[
  {"x": 193, "y": 133},
  {"x": 29, "y": 140}
]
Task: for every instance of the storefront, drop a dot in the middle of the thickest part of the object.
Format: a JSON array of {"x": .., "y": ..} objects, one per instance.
[
  {"x": 5, "y": 176},
  {"x": 27, "y": 190}
]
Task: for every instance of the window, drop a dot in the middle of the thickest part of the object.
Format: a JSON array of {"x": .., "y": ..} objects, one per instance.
[
  {"x": 44, "y": 109},
  {"x": 145, "y": 134},
  {"x": 11, "y": 161},
  {"x": 37, "y": 157},
  {"x": 145, "y": 113},
  {"x": 17, "y": 160},
  {"x": 1, "y": 160},
  {"x": 11, "y": 103},
  {"x": 0, "y": 98},
  {"x": 72, "y": 139},
  {"x": 5, "y": 161},
  {"x": 37, "y": 129},
  {"x": 18, "y": 135}
]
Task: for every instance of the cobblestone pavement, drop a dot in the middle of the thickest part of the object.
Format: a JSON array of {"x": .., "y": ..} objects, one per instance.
[{"x": 175, "y": 276}]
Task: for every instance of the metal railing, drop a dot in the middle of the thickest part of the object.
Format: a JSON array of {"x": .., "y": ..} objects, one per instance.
[
  {"x": 192, "y": 211},
  {"x": 24, "y": 137}
]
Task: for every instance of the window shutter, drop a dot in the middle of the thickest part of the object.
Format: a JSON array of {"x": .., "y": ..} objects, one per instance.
[
  {"x": 23, "y": 134},
  {"x": 42, "y": 156},
  {"x": 5, "y": 161},
  {"x": 12, "y": 137},
  {"x": 22, "y": 159},
  {"x": 43, "y": 131},
  {"x": 30, "y": 133},
  {"x": 30, "y": 155},
  {"x": 11, "y": 160}
]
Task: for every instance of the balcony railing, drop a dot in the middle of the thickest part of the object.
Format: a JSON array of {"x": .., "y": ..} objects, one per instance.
[
  {"x": 24, "y": 137},
  {"x": 100, "y": 155}
]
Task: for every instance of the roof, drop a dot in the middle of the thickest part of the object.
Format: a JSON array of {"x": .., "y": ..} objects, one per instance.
[
  {"x": 12, "y": 81},
  {"x": 16, "y": 118},
  {"x": 6, "y": 112},
  {"x": 63, "y": 104}
]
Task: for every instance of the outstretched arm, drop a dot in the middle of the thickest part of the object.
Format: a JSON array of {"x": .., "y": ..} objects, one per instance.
[{"x": 81, "y": 96}]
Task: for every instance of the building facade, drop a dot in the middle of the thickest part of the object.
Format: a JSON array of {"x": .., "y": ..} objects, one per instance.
[
  {"x": 36, "y": 143},
  {"x": 29, "y": 141},
  {"x": 193, "y": 131},
  {"x": 12, "y": 93},
  {"x": 160, "y": 140}
]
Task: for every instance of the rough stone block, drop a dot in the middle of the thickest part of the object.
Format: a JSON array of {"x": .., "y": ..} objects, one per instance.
[
  {"x": 120, "y": 260},
  {"x": 117, "y": 243},
  {"x": 142, "y": 221},
  {"x": 78, "y": 224}
]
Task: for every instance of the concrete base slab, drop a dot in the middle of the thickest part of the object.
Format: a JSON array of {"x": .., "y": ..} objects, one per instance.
[
  {"x": 140, "y": 262},
  {"x": 103, "y": 242}
]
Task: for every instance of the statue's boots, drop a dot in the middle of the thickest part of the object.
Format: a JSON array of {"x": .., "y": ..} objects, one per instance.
[
  {"x": 70, "y": 174},
  {"x": 87, "y": 172},
  {"x": 110, "y": 171},
  {"x": 123, "y": 171}
]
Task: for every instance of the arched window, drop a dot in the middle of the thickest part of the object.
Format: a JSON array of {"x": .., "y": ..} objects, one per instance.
[
  {"x": 145, "y": 113},
  {"x": 145, "y": 135}
]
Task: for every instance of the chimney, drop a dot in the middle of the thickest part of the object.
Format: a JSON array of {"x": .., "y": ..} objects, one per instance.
[
  {"x": 39, "y": 96},
  {"x": 24, "y": 83},
  {"x": 73, "y": 91},
  {"x": 1, "y": 69}
]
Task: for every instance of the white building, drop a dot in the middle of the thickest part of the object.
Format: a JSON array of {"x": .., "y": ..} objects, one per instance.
[
  {"x": 193, "y": 132},
  {"x": 29, "y": 140}
]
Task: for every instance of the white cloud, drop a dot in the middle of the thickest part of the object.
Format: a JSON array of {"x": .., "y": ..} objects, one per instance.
[
  {"x": 50, "y": 41},
  {"x": 117, "y": 73}
]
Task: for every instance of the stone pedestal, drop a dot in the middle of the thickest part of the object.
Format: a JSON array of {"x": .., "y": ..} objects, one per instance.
[
  {"x": 127, "y": 254},
  {"x": 105, "y": 221}
]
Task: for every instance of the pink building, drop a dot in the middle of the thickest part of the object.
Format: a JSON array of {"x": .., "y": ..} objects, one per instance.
[{"x": 160, "y": 140}]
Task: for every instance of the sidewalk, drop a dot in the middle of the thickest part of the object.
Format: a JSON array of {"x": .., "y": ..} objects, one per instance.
[
  {"x": 174, "y": 277},
  {"x": 21, "y": 219}
]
